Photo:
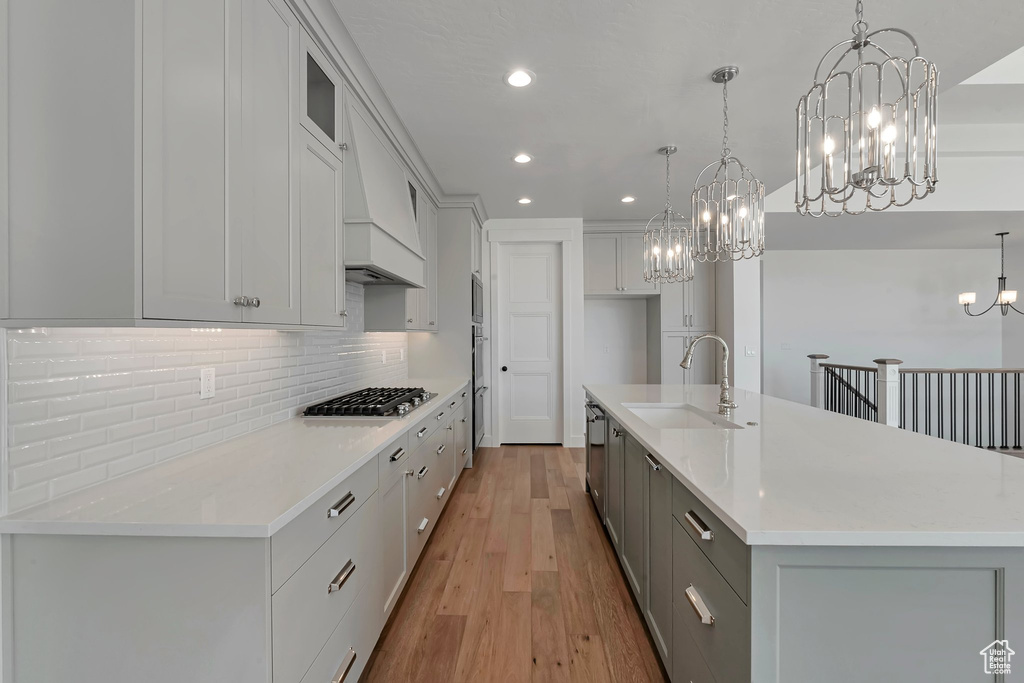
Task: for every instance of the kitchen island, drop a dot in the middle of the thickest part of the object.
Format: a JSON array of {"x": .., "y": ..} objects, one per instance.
[{"x": 788, "y": 544}]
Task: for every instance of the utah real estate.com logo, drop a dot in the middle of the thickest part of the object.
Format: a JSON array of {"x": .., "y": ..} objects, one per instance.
[{"x": 996, "y": 657}]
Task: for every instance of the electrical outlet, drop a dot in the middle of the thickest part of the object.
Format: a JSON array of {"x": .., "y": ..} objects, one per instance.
[
  {"x": 750, "y": 351},
  {"x": 401, "y": 354},
  {"x": 207, "y": 383},
  {"x": 383, "y": 357},
  {"x": 606, "y": 349}
]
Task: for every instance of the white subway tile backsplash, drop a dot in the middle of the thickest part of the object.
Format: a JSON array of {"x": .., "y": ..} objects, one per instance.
[{"x": 88, "y": 404}]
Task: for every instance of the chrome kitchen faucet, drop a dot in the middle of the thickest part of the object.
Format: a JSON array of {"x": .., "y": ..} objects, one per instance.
[{"x": 725, "y": 404}]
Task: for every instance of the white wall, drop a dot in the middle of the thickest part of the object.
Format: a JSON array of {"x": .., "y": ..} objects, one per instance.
[
  {"x": 1013, "y": 323},
  {"x": 89, "y": 404},
  {"x": 615, "y": 341},
  {"x": 856, "y": 306},
  {"x": 541, "y": 229},
  {"x": 738, "y": 319}
]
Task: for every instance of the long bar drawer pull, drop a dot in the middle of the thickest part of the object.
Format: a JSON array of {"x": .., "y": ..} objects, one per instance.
[
  {"x": 341, "y": 505},
  {"x": 697, "y": 603},
  {"x": 440, "y": 494},
  {"x": 422, "y": 473},
  {"x": 421, "y": 432},
  {"x": 705, "y": 533},
  {"x": 463, "y": 394},
  {"x": 423, "y": 526},
  {"x": 397, "y": 455},
  {"x": 464, "y": 451},
  {"x": 346, "y": 665},
  {"x": 452, "y": 404},
  {"x": 440, "y": 449},
  {"x": 342, "y": 577},
  {"x": 439, "y": 415},
  {"x": 650, "y": 461}
]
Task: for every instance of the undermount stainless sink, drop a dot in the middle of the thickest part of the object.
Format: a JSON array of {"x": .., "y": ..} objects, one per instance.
[{"x": 678, "y": 416}]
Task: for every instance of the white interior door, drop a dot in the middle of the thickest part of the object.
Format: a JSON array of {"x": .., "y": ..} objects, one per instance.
[{"x": 530, "y": 342}]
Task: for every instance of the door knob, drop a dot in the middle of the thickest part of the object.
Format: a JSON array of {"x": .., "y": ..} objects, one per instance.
[{"x": 504, "y": 368}]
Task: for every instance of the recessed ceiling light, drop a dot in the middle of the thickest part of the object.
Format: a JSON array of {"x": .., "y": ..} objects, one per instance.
[
  {"x": 628, "y": 199},
  {"x": 520, "y": 78},
  {"x": 525, "y": 200},
  {"x": 522, "y": 158}
]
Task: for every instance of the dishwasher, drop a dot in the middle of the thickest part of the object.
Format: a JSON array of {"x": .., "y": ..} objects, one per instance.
[{"x": 596, "y": 457}]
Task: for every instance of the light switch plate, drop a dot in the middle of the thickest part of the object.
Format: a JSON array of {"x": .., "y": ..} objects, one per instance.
[{"x": 207, "y": 383}]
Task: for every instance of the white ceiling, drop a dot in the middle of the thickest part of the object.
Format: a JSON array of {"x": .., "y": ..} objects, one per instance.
[{"x": 616, "y": 79}]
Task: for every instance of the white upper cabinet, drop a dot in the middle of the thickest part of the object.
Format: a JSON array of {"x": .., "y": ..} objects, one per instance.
[
  {"x": 192, "y": 159},
  {"x": 690, "y": 304},
  {"x": 320, "y": 97},
  {"x": 631, "y": 264},
  {"x": 601, "y": 263},
  {"x": 322, "y": 239},
  {"x": 613, "y": 264},
  {"x": 270, "y": 212},
  {"x": 428, "y": 301},
  {"x": 477, "y": 248}
]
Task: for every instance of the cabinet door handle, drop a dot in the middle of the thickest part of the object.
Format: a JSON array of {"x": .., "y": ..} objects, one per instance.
[
  {"x": 346, "y": 664},
  {"x": 440, "y": 494},
  {"x": 432, "y": 322},
  {"x": 463, "y": 451},
  {"x": 343, "y": 314},
  {"x": 409, "y": 321},
  {"x": 695, "y": 522},
  {"x": 342, "y": 577},
  {"x": 439, "y": 415},
  {"x": 616, "y": 433},
  {"x": 463, "y": 420},
  {"x": 463, "y": 394},
  {"x": 420, "y": 433},
  {"x": 422, "y": 473},
  {"x": 423, "y": 526},
  {"x": 341, "y": 505},
  {"x": 650, "y": 461},
  {"x": 697, "y": 603},
  {"x": 241, "y": 301},
  {"x": 397, "y": 455},
  {"x": 255, "y": 302},
  {"x": 440, "y": 449},
  {"x": 452, "y": 404}
]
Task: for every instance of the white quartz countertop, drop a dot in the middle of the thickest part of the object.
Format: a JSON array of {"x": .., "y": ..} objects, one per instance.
[
  {"x": 804, "y": 476},
  {"x": 250, "y": 486}
]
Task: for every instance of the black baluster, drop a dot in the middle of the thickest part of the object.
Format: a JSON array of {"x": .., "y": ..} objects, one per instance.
[
  {"x": 913, "y": 401},
  {"x": 938, "y": 396},
  {"x": 991, "y": 411},
  {"x": 903, "y": 401},
  {"x": 1005, "y": 424},
  {"x": 967, "y": 405},
  {"x": 1016, "y": 410},
  {"x": 977, "y": 410},
  {"x": 928, "y": 404}
]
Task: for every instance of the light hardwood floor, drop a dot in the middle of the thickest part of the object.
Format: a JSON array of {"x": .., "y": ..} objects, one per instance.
[{"x": 518, "y": 583}]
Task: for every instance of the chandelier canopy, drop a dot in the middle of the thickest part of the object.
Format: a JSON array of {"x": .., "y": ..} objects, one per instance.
[
  {"x": 727, "y": 205},
  {"x": 866, "y": 129},
  {"x": 667, "y": 238},
  {"x": 1005, "y": 298}
]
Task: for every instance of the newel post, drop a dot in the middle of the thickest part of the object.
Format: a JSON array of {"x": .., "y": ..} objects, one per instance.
[
  {"x": 888, "y": 391},
  {"x": 817, "y": 380}
]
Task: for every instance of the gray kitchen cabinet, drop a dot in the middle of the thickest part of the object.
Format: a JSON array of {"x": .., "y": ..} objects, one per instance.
[
  {"x": 614, "y": 452},
  {"x": 633, "y": 514},
  {"x": 657, "y": 604},
  {"x": 462, "y": 437}
]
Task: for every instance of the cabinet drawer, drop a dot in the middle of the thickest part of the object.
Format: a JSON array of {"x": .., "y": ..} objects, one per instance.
[
  {"x": 422, "y": 508},
  {"x": 312, "y": 602},
  {"x": 394, "y": 457},
  {"x": 428, "y": 426},
  {"x": 688, "y": 665},
  {"x": 727, "y": 552},
  {"x": 350, "y": 645},
  {"x": 725, "y": 644},
  {"x": 299, "y": 539}
]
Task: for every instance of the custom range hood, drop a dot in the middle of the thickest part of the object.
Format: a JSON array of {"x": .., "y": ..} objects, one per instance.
[{"x": 382, "y": 245}]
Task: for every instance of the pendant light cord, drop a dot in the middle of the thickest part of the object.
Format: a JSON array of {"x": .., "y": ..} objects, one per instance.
[
  {"x": 668, "y": 183},
  {"x": 726, "y": 152},
  {"x": 860, "y": 26}
]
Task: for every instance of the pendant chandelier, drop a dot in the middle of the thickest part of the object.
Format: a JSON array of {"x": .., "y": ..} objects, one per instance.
[
  {"x": 866, "y": 129},
  {"x": 1005, "y": 298},
  {"x": 727, "y": 207},
  {"x": 667, "y": 243}
]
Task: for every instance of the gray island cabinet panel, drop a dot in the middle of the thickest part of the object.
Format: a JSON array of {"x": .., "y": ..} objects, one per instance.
[
  {"x": 633, "y": 516},
  {"x": 614, "y": 452},
  {"x": 657, "y": 605}
]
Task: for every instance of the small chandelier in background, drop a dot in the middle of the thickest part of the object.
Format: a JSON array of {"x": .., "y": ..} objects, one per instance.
[
  {"x": 727, "y": 206},
  {"x": 667, "y": 245},
  {"x": 1005, "y": 298},
  {"x": 866, "y": 129}
]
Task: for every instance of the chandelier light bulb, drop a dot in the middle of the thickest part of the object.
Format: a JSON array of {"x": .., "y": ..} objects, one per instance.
[
  {"x": 874, "y": 118},
  {"x": 829, "y": 145},
  {"x": 742, "y": 212},
  {"x": 725, "y": 219},
  {"x": 1008, "y": 296},
  {"x": 889, "y": 134},
  {"x": 706, "y": 216},
  {"x": 968, "y": 298}
]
